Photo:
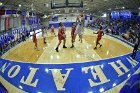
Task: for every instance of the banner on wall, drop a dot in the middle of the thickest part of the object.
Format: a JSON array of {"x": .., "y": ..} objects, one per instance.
[
  {"x": 7, "y": 23},
  {"x": 14, "y": 11},
  {"x": 115, "y": 15},
  {"x": 23, "y": 13},
  {"x": 125, "y": 15},
  {"x": 30, "y": 21},
  {"x": 23, "y": 22},
  {"x": 2, "y": 12},
  {"x": 8, "y": 12},
  {"x": 55, "y": 19}
]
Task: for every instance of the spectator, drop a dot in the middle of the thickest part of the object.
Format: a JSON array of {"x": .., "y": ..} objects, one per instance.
[{"x": 136, "y": 46}]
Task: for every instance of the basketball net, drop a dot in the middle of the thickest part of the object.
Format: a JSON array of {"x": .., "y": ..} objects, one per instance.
[{"x": 66, "y": 10}]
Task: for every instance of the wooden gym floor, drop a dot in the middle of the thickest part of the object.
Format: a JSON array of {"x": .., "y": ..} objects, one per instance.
[{"x": 82, "y": 52}]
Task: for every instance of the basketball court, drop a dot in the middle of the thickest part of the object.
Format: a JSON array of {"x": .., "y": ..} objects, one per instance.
[
  {"x": 83, "y": 52},
  {"x": 27, "y": 68}
]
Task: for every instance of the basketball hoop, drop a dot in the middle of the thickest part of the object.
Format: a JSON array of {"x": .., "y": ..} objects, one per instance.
[{"x": 66, "y": 10}]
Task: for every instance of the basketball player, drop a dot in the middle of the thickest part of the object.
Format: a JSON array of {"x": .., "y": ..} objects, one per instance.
[
  {"x": 35, "y": 40},
  {"x": 16, "y": 36},
  {"x": 23, "y": 36},
  {"x": 99, "y": 37},
  {"x": 64, "y": 30},
  {"x": 80, "y": 27},
  {"x": 44, "y": 33},
  {"x": 137, "y": 43},
  {"x": 52, "y": 30},
  {"x": 72, "y": 33},
  {"x": 61, "y": 36}
]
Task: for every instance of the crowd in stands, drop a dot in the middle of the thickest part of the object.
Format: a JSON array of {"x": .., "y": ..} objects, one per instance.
[
  {"x": 97, "y": 23},
  {"x": 127, "y": 29},
  {"x": 13, "y": 37}
]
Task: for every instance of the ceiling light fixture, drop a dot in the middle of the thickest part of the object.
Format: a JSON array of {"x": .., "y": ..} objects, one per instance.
[
  {"x": 123, "y": 7},
  {"x": 19, "y": 5},
  {"x": 0, "y": 4}
]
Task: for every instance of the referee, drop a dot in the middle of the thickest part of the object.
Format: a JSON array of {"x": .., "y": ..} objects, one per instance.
[{"x": 136, "y": 46}]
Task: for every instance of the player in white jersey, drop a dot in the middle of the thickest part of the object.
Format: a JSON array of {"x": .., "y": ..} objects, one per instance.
[
  {"x": 44, "y": 34},
  {"x": 80, "y": 27}
]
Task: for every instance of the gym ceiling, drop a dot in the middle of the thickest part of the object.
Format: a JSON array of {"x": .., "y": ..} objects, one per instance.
[{"x": 89, "y": 6}]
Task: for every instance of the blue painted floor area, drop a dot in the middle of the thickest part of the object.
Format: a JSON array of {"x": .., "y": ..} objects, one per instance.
[
  {"x": 2, "y": 89},
  {"x": 97, "y": 76},
  {"x": 132, "y": 85},
  {"x": 89, "y": 77}
]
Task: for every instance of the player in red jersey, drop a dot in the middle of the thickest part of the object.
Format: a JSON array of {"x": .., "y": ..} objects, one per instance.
[
  {"x": 61, "y": 36},
  {"x": 52, "y": 30},
  {"x": 73, "y": 33},
  {"x": 35, "y": 40},
  {"x": 99, "y": 37}
]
